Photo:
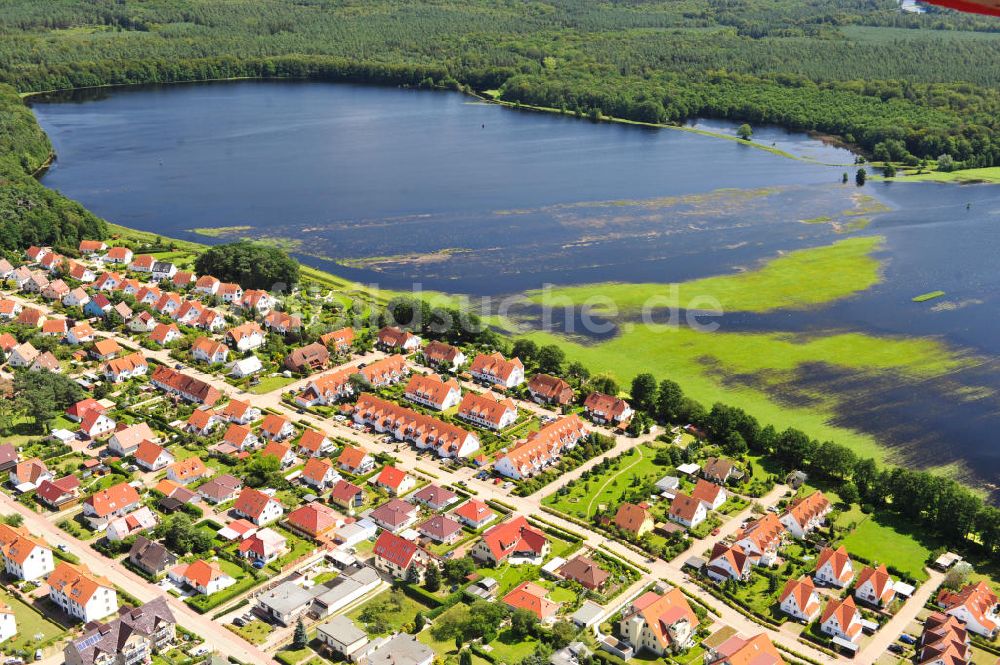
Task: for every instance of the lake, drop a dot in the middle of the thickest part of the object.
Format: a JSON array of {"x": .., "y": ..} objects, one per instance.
[{"x": 401, "y": 187}]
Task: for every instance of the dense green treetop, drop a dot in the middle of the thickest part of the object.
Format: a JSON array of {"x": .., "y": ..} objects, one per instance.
[{"x": 252, "y": 265}]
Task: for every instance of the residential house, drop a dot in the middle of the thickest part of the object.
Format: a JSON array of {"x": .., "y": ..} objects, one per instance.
[
  {"x": 142, "y": 263},
  {"x": 729, "y": 562},
  {"x": 487, "y": 411},
  {"x": 283, "y": 323},
  {"x": 719, "y": 470},
  {"x": 125, "y": 441},
  {"x": 319, "y": 473},
  {"x": 441, "y": 356},
  {"x": 256, "y": 300},
  {"x": 153, "y": 457},
  {"x": 9, "y": 309},
  {"x": 88, "y": 247},
  {"x": 532, "y": 598},
  {"x": 834, "y": 568},
  {"x": 474, "y": 513},
  {"x": 338, "y": 340},
  {"x": 187, "y": 471},
  {"x": 202, "y": 421},
  {"x": 189, "y": 313},
  {"x": 258, "y": 507},
  {"x": 426, "y": 432},
  {"x": 105, "y": 505},
  {"x": 314, "y": 520},
  {"x": 133, "y": 637},
  {"x": 433, "y": 392},
  {"x": 187, "y": 387},
  {"x": 143, "y": 322},
  {"x": 355, "y": 461},
  {"x": 165, "y": 333},
  {"x": 434, "y": 497},
  {"x": 24, "y": 556},
  {"x": 309, "y": 358},
  {"x": 209, "y": 351},
  {"x": 169, "y": 304},
  {"x": 183, "y": 279},
  {"x": 276, "y": 428},
  {"x": 80, "y": 593},
  {"x": 496, "y": 370},
  {"x": 585, "y": 572},
  {"x": 240, "y": 437},
  {"x": 347, "y": 495},
  {"x": 105, "y": 349},
  {"x": 22, "y": 355},
  {"x": 386, "y": 372},
  {"x": 221, "y": 488},
  {"x": 841, "y": 618},
  {"x": 281, "y": 452},
  {"x": 394, "y": 339},
  {"x": 341, "y": 638},
  {"x": 327, "y": 389},
  {"x": 712, "y": 495},
  {"x": 26, "y": 475},
  {"x": 661, "y": 624},
  {"x": 246, "y": 337},
  {"x": 635, "y": 519},
  {"x": 96, "y": 424},
  {"x": 163, "y": 270},
  {"x": 687, "y": 510},
  {"x": 56, "y": 290},
  {"x": 150, "y": 556},
  {"x": 203, "y": 577},
  {"x": 207, "y": 285},
  {"x": 974, "y": 604},
  {"x": 875, "y": 586},
  {"x": 944, "y": 641},
  {"x": 401, "y": 558},
  {"x": 284, "y": 604},
  {"x": 108, "y": 281},
  {"x": 548, "y": 389},
  {"x": 314, "y": 443},
  {"x": 127, "y": 367},
  {"x": 245, "y": 367},
  {"x": 737, "y": 650},
  {"x": 229, "y": 292},
  {"x": 265, "y": 545},
  {"x": 395, "y": 515},
  {"x": 805, "y": 515},
  {"x": 211, "y": 320},
  {"x": 761, "y": 538},
  {"x": 514, "y": 538},
  {"x": 76, "y": 298},
  {"x": 242, "y": 413},
  {"x": 607, "y": 409},
  {"x": 394, "y": 481},
  {"x": 31, "y": 317},
  {"x": 57, "y": 493},
  {"x": 541, "y": 448},
  {"x": 440, "y": 529},
  {"x": 799, "y": 599},
  {"x": 45, "y": 361},
  {"x": 118, "y": 255},
  {"x": 138, "y": 521}
]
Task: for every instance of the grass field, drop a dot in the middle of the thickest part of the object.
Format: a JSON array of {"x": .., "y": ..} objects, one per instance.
[
  {"x": 889, "y": 545},
  {"x": 968, "y": 176},
  {"x": 637, "y": 467},
  {"x": 802, "y": 278},
  {"x": 396, "y": 608},
  {"x": 507, "y": 648},
  {"x": 30, "y": 625}
]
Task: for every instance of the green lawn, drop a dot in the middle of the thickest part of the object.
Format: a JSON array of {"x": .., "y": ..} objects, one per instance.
[
  {"x": 394, "y": 607},
  {"x": 509, "y": 577},
  {"x": 507, "y": 648},
  {"x": 634, "y": 468},
  {"x": 255, "y": 632},
  {"x": 30, "y": 624},
  {"x": 446, "y": 647},
  {"x": 271, "y": 383},
  {"x": 881, "y": 542}
]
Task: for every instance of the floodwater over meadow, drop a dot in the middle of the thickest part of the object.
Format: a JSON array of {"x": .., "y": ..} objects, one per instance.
[{"x": 398, "y": 187}]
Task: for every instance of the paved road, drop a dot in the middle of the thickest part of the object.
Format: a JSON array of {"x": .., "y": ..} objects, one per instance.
[
  {"x": 216, "y": 635},
  {"x": 907, "y": 613}
]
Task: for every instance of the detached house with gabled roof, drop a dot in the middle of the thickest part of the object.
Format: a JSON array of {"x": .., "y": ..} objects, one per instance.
[
  {"x": 22, "y": 355},
  {"x": 142, "y": 263},
  {"x": 607, "y": 409},
  {"x": 712, "y": 495},
  {"x": 143, "y": 322},
  {"x": 728, "y": 562},
  {"x": 659, "y": 624},
  {"x": 309, "y": 358},
  {"x": 494, "y": 369},
  {"x": 202, "y": 421},
  {"x": 687, "y": 510},
  {"x": 118, "y": 255},
  {"x": 397, "y": 556},
  {"x": 635, "y": 519},
  {"x": 283, "y": 323},
  {"x": 238, "y": 411},
  {"x": 532, "y": 598},
  {"x": 314, "y": 443},
  {"x": 391, "y": 338},
  {"x": 126, "y": 440},
  {"x": 209, "y": 351},
  {"x": 153, "y": 457},
  {"x": 76, "y": 298},
  {"x": 201, "y": 576},
  {"x": 799, "y": 599},
  {"x": 356, "y": 461},
  {"x": 841, "y": 618},
  {"x": 338, "y": 341},
  {"x": 761, "y": 539},
  {"x": 207, "y": 285},
  {"x": 229, "y": 292},
  {"x": 347, "y": 495},
  {"x": 319, "y": 473},
  {"x": 514, "y": 538},
  {"x": 833, "y": 567},
  {"x": 395, "y": 515},
  {"x": 187, "y": 471},
  {"x": 394, "y": 481},
  {"x": 55, "y": 328},
  {"x": 81, "y": 333},
  {"x": 24, "y": 556},
  {"x": 96, "y": 424},
  {"x": 246, "y": 337},
  {"x": 258, "y": 507},
  {"x": 165, "y": 333},
  {"x": 279, "y": 451},
  {"x": 585, "y": 572},
  {"x": 434, "y": 497},
  {"x": 127, "y": 367},
  {"x": 104, "y": 505},
  {"x": 439, "y": 355},
  {"x": 548, "y": 389},
  {"x": 80, "y": 593},
  {"x": 87, "y": 247},
  {"x": 240, "y": 437},
  {"x": 474, "y": 513},
  {"x": 276, "y": 428},
  {"x": 875, "y": 586},
  {"x": 57, "y": 493}
]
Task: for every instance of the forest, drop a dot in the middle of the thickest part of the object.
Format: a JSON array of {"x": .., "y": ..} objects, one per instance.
[{"x": 858, "y": 69}]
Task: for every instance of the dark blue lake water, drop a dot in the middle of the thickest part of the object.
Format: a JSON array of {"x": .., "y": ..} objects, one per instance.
[{"x": 397, "y": 187}]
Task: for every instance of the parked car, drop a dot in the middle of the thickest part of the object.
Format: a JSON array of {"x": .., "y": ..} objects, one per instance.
[
  {"x": 239, "y": 622},
  {"x": 38, "y": 654},
  {"x": 895, "y": 648},
  {"x": 907, "y": 639},
  {"x": 258, "y": 564}
]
